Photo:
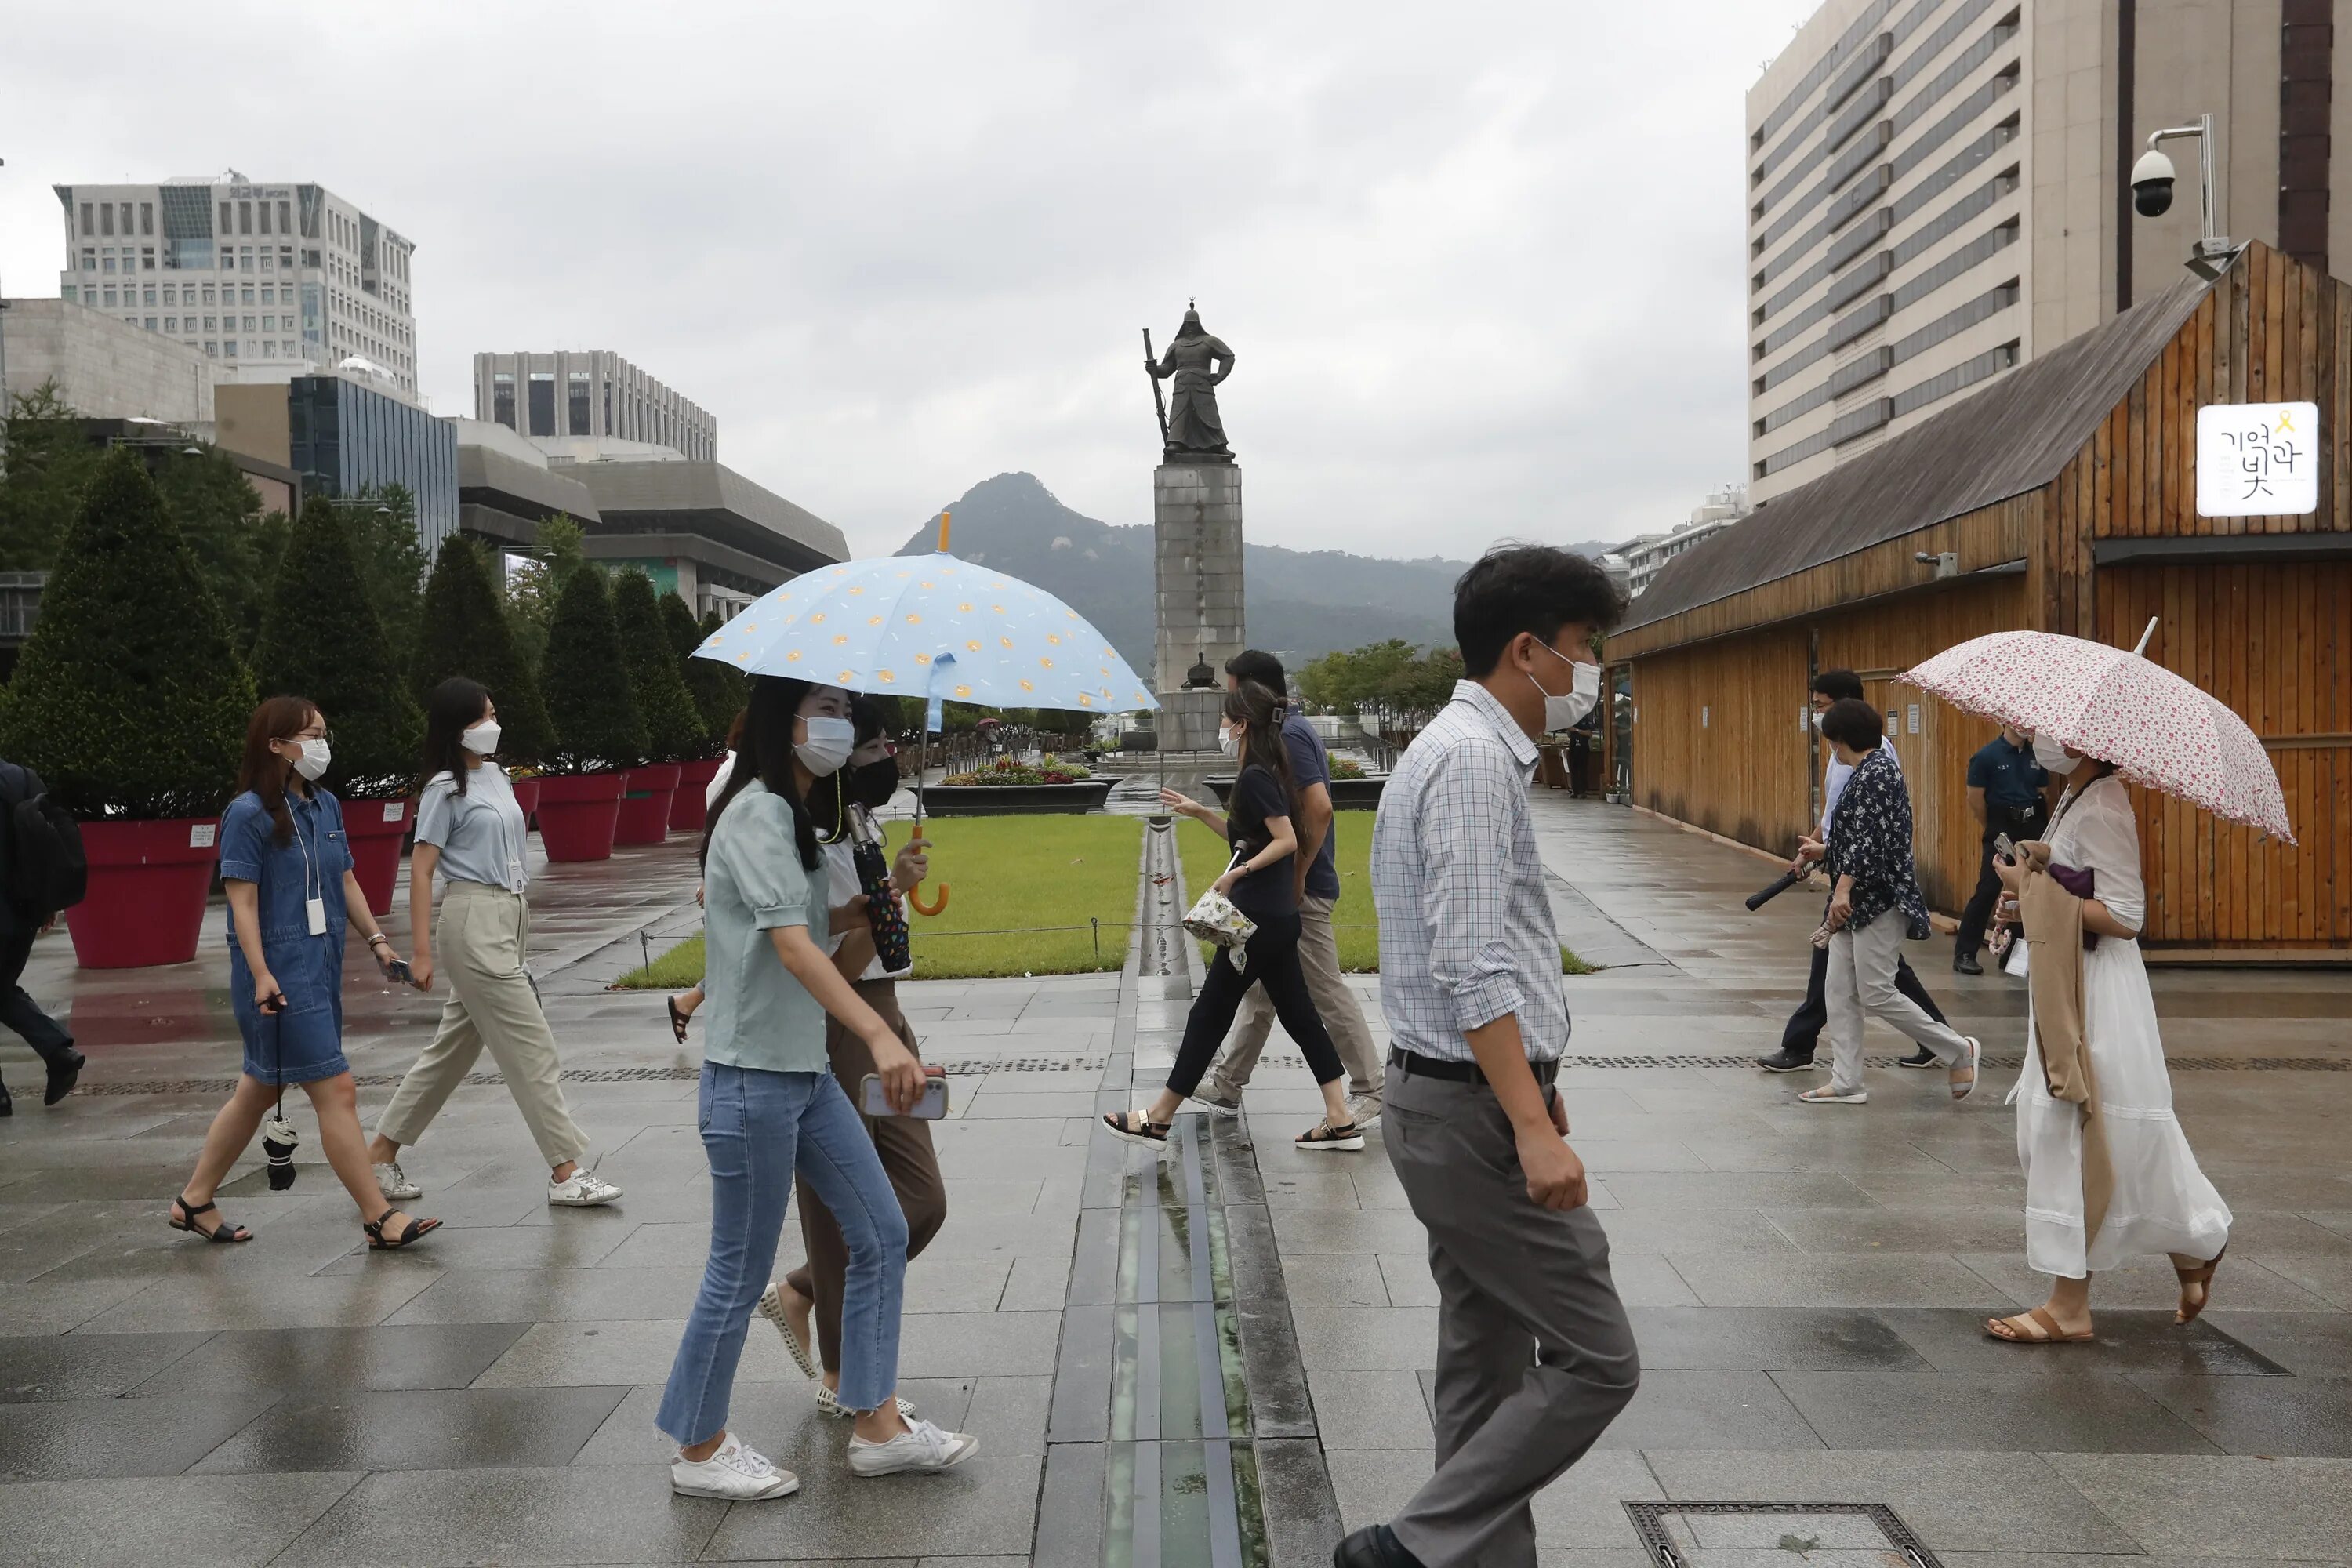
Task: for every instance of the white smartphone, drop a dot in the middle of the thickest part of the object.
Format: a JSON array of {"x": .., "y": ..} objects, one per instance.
[{"x": 929, "y": 1106}]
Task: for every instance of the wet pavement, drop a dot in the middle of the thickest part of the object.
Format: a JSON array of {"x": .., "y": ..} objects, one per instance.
[{"x": 1219, "y": 1356}]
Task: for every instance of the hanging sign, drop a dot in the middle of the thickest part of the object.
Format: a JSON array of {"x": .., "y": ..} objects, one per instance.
[{"x": 2258, "y": 459}]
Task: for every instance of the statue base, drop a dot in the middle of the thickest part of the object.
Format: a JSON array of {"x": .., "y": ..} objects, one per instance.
[
  {"x": 1196, "y": 534},
  {"x": 1188, "y": 721}
]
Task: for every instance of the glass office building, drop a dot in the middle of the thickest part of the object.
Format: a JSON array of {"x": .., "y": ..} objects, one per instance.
[{"x": 346, "y": 439}]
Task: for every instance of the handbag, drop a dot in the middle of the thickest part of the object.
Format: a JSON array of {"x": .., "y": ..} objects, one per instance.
[{"x": 1214, "y": 919}]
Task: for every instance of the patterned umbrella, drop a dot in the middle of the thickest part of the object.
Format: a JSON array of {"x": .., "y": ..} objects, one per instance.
[{"x": 2157, "y": 730}]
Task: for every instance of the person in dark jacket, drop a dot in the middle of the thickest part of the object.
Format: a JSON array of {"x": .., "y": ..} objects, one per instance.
[{"x": 18, "y": 1011}]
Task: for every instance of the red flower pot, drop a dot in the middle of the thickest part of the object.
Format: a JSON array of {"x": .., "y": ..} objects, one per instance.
[
  {"x": 688, "y": 809},
  {"x": 376, "y": 830},
  {"x": 577, "y": 814},
  {"x": 148, "y": 883},
  {"x": 644, "y": 808},
  {"x": 526, "y": 794}
]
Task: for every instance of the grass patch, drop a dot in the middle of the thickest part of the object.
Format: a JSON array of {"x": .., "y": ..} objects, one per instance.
[
  {"x": 1205, "y": 854},
  {"x": 1005, "y": 872}
]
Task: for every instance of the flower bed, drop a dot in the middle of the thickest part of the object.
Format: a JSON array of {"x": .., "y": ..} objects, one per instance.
[{"x": 1005, "y": 773}]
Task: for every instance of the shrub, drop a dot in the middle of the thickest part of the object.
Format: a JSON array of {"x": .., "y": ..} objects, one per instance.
[
  {"x": 732, "y": 688},
  {"x": 130, "y": 700},
  {"x": 321, "y": 638},
  {"x": 464, "y": 631},
  {"x": 1346, "y": 768},
  {"x": 1005, "y": 771},
  {"x": 674, "y": 729},
  {"x": 586, "y": 682},
  {"x": 705, "y": 681}
]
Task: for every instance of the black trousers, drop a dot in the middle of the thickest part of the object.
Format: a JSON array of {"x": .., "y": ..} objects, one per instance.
[
  {"x": 1273, "y": 963},
  {"x": 2021, "y": 826},
  {"x": 1813, "y": 1014},
  {"x": 18, "y": 1011}
]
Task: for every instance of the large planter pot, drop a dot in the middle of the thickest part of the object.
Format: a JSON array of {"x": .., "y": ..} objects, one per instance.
[
  {"x": 376, "y": 829},
  {"x": 688, "y": 809},
  {"x": 148, "y": 883},
  {"x": 1347, "y": 794},
  {"x": 577, "y": 815},
  {"x": 526, "y": 794},
  {"x": 645, "y": 804},
  {"x": 1012, "y": 800}
]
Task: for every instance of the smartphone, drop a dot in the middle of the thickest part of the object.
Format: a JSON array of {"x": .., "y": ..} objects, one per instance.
[
  {"x": 2003, "y": 848},
  {"x": 929, "y": 1106},
  {"x": 399, "y": 973}
]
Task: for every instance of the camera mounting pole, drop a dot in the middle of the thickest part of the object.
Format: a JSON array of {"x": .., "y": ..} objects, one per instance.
[{"x": 2212, "y": 251}]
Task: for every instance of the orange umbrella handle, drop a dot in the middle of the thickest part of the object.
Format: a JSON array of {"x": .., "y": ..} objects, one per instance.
[{"x": 935, "y": 906}]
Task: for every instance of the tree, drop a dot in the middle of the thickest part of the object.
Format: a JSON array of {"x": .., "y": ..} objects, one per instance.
[
  {"x": 705, "y": 679},
  {"x": 674, "y": 727},
  {"x": 732, "y": 684},
  {"x": 130, "y": 699},
  {"x": 50, "y": 464},
  {"x": 587, "y": 683},
  {"x": 532, "y": 594},
  {"x": 391, "y": 560},
  {"x": 321, "y": 638},
  {"x": 236, "y": 550},
  {"x": 464, "y": 631}
]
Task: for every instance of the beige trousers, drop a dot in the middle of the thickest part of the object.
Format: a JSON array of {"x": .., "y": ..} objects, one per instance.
[
  {"x": 485, "y": 933},
  {"x": 1318, "y": 958},
  {"x": 1861, "y": 986}
]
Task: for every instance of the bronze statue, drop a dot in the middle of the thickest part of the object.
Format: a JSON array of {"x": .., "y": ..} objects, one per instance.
[{"x": 1191, "y": 429}]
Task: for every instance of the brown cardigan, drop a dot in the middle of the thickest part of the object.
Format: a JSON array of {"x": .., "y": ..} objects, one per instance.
[{"x": 2052, "y": 919}]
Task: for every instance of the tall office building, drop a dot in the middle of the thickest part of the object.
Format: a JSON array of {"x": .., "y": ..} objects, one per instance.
[
  {"x": 1938, "y": 190},
  {"x": 245, "y": 272},
  {"x": 593, "y": 393}
]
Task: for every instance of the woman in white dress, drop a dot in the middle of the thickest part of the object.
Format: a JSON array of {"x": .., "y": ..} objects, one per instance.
[{"x": 2161, "y": 1201}]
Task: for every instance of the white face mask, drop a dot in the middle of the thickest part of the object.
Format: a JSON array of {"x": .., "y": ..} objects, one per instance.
[
  {"x": 830, "y": 741},
  {"x": 483, "y": 738},
  {"x": 2053, "y": 758},
  {"x": 1817, "y": 723},
  {"x": 1562, "y": 711},
  {"x": 312, "y": 760},
  {"x": 1228, "y": 742}
]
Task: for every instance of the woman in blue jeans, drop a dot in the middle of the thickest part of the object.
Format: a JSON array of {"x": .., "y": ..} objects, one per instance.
[{"x": 770, "y": 1107}]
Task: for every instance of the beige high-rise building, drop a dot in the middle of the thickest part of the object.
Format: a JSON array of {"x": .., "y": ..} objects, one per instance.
[{"x": 1938, "y": 190}]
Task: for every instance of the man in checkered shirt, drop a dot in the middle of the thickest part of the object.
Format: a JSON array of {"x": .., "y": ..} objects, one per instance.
[{"x": 1534, "y": 1357}]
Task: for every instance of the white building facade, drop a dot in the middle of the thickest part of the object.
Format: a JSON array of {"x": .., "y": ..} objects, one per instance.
[
  {"x": 1645, "y": 555},
  {"x": 554, "y": 397}
]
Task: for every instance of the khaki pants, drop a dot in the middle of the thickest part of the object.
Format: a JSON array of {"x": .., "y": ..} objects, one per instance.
[
  {"x": 484, "y": 934},
  {"x": 1318, "y": 956},
  {"x": 1861, "y": 986}
]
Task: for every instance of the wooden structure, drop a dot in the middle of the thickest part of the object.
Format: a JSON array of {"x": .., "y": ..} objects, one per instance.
[{"x": 2062, "y": 498}]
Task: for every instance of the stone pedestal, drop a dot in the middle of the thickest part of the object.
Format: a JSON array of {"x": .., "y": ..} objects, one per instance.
[{"x": 1196, "y": 517}]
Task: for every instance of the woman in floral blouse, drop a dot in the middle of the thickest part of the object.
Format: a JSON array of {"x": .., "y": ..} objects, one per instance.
[{"x": 1874, "y": 904}]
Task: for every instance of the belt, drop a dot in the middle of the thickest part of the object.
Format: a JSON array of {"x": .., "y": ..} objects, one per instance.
[{"x": 1413, "y": 1064}]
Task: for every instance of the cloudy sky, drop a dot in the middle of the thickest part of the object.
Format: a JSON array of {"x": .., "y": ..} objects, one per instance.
[{"x": 1481, "y": 263}]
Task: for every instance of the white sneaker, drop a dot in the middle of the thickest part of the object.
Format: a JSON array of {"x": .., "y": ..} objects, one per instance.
[
  {"x": 1364, "y": 1107},
  {"x": 735, "y": 1473},
  {"x": 921, "y": 1447},
  {"x": 585, "y": 1189},
  {"x": 397, "y": 1187},
  {"x": 1827, "y": 1094}
]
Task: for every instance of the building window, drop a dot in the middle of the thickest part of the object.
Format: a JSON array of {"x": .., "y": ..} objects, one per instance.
[
  {"x": 106, "y": 217},
  {"x": 248, "y": 293},
  {"x": 502, "y": 399},
  {"x": 151, "y": 295},
  {"x": 89, "y": 217},
  {"x": 170, "y": 324},
  {"x": 248, "y": 323},
  {"x": 126, "y": 219},
  {"x": 147, "y": 217},
  {"x": 578, "y": 398},
  {"x": 150, "y": 323},
  {"x": 288, "y": 347},
  {"x": 228, "y": 349},
  {"x": 212, "y": 323},
  {"x": 212, "y": 351},
  {"x": 268, "y": 346},
  {"x": 110, "y": 300},
  {"x": 543, "y": 403},
  {"x": 171, "y": 295},
  {"x": 285, "y": 219},
  {"x": 90, "y": 258},
  {"x": 243, "y": 226},
  {"x": 208, "y": 294}
]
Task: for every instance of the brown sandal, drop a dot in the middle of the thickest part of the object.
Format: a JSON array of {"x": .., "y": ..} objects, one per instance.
[
  {"x": 1137, "y": 1126},
  {"x": 678, "y": 1018},
  {"x": 2202, "y": 1278},
  {"x": 2046, "y": 1328},
  {"x": 415, "y": 1230}
]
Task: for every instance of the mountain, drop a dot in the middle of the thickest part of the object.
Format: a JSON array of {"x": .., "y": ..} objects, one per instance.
[{"x": 1301, "y": 603}]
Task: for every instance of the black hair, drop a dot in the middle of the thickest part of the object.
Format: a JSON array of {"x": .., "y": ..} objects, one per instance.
[
  {"x": 1534, "y": 588},
  {"x": 1254, "y": 705},
  {"x": 1854, "y": 723},
  {"x": 1257, "y": 664},
  {"x": 1838, "y": 685},
  {"x": 453, "y": 707},
  {"x": 829, "y": 808},
  {"x": 765, "y": 752}
]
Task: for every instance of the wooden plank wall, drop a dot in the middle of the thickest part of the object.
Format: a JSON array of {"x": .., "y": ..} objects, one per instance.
[{"x": 1716, "y": 741}]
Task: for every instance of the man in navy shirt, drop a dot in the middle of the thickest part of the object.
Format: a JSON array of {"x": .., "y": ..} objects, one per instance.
[{"x": 2006, "y": 791}]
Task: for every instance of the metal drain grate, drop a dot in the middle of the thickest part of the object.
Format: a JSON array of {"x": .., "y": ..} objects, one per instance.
[
  {"x": 975, "y": 1067},
  {"x": 1818, "y": 1534}
]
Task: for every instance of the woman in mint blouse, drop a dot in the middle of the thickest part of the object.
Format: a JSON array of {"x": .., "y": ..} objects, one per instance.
[{"x": 770, "y": 1107}]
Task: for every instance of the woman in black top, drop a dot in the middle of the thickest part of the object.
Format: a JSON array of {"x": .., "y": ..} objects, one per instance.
[{"x": 1263, "y": 883}]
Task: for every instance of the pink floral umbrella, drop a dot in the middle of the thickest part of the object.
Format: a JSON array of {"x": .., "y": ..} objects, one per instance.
[{"x": 2157, "y": 730}]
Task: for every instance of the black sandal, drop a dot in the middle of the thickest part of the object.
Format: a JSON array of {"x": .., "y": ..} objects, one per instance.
[
  {"x": 1341, "y": 1138},
  {"x": 677, "y": 1020},
  {"x": 184, "y": 1219},
  {"x": 1137, "y": 1126},
  {"x": 418, "y": 1229}
]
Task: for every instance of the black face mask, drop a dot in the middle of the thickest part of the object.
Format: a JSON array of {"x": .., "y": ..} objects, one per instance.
[{"x": 873, "y": 784}]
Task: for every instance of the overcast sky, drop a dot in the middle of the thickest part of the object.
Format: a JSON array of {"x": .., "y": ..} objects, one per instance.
[{"x": 1481, "y": 264}]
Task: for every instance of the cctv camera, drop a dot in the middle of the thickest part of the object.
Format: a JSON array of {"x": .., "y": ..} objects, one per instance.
[{"x": 2151, "y": 183}]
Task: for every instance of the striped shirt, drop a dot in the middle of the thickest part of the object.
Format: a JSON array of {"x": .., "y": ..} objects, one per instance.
[{"x": 1466, "y": 929}]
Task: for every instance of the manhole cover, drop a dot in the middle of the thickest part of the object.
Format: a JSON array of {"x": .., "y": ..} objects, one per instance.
[{"x": 1798, "y": 1534}]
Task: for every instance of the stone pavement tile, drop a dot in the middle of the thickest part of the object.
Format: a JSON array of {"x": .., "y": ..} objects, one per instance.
[
  {"x": 72, "y": 1439},
  {"x": 2239, "y": 1510},
  {"x": 779, "y": 1419},
  {"x": 985, "y": 1505},
  {"x": 2308, "y": 1344},
  {"x": 2329, "y": 1279},
  {"x": 1350, "y": 1339},
  {"x": 226, "y": 1522},
  {"x": 1708, "y": 1410},
  {"x": 1985, "y": 1502},
  {"x": 1686, "y": 1191},
  {"x": 30, "y": 1251},
  {"x": 1903, "y": 1280},
  {"x": 1376, "y": 1186},
  {"x": 552, "y": 1295},
  {"x": 297, "y": 1245},
  {"x": 2128, "y": 1341},
  {"x": 997, "y": 1237},
  {"x": 1953, "y": 1230},
  {"x": 666, "y": 1202},
  {"x": 2099, "y": 1560},
  {"x": 261, "y": 1302},
  {"x": 552, "y": 1356},
  {"x": 2337, "y": 1220},
  {"x": 1942, "y": 1188},
  {"x": 412, "y": 1429},
  {"x": 36, "y": 1367},
  {"x": 58, "y": 1306},
  {"x": 2149, "y": 1283},
  {"x": 428, "y": 1519},
  {"x": 1407, "y": 1280},
  {"x": 1339, "y": 1279},
  {"x": 2010, "y": 1412},
  {"x": 2308, "y": 1417},
  {"x": 1593, "y": 1557},
  {"x": 465, "y": 1206},
  {"x": 315, "y": 1360},
  {"x": 1033, "y": 1284},
  {"x": 681, "y": 1244},
  {"x": 988, "y": 1106},
  {"x": 1775, "y": 1150},
  {"x": 962, "y": 1285},
  {"x": 1768, "y": 1339},
  {"x": 507, "y": 1247},
  {"x": 1321, "y": 1189},
  {"x": 1370, "y": 1409},
  {"x": 1669, "y": 1232},
  {"x": 995, "y": 1195},
  {"x": 1584, "y": 1508},
  {"x": 2265, "y": 1233},
  {"x": 1606, "y": 1156},
  {"x": 1643, "y": 1280},
  {"x": 977, "y": 1344}
]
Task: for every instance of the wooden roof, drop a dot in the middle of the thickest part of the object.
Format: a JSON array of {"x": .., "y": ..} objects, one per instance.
[{"x": 2012, "y": 437}]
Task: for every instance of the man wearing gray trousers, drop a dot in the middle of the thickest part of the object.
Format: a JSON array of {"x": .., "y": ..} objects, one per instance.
[{"x": 1534, "y": 1357}]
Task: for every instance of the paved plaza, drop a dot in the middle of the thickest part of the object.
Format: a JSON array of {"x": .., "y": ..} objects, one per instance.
[{"x": 1219, "y": 1356}]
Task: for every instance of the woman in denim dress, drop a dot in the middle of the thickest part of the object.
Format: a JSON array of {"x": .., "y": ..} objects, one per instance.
[{"x": 287, "y": 867}]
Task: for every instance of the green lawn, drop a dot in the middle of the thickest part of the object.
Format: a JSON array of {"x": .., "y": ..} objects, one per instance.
[
  {"x": 1003, "y": 872},
  {"x": 1359, "y": 928}
]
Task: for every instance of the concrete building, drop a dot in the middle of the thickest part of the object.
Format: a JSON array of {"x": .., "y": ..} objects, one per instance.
[
  {"x": 102, "y": 365},
  {"x": 345, "y": 438},
  {"x": 1644, "y": 554},
  {"x": 1939, "y": 191},
  {"x": 243, "y": 271},
  {"x": 592, "y": 394}
]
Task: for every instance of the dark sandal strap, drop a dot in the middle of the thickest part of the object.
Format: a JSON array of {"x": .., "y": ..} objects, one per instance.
[
  {"x": 677, "y": 1018},
  {"x": 1324, "y": 1132},
  {"x": 1137, "y": 1123}
]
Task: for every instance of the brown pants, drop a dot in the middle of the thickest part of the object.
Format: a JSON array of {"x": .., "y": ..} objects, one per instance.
[{"x": 904, "y": 1145}]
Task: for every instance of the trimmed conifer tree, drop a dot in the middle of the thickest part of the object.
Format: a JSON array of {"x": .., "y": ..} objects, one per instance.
[
  {"x": 729, "y": 688},
  {"x": 466, "y": 632},
  {"x": 674, "y": 728},
  {"x": 321, "y": 638},
  {"x": 129, "y": 699},
  {"x": 586, "y": 684},
  {"x": 706, "y": 682}
]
